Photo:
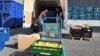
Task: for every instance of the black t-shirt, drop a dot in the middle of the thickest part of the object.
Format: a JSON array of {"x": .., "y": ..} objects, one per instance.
[{"x": 59, "y": 10}]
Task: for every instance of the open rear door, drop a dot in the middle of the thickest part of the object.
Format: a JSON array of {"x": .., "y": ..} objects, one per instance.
[{"x": 28, "y": 9}]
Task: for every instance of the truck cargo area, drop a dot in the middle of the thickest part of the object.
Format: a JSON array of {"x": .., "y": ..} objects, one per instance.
[{"x": 41, "y": 5}]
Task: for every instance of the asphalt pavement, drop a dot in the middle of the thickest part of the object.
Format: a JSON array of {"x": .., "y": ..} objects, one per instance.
[{"x": 72, "y": 47}]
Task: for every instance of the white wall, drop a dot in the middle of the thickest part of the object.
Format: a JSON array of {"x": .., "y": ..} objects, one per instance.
[
  {"x": 80, "y": 22},
  {"x": 28, "y": 9}
]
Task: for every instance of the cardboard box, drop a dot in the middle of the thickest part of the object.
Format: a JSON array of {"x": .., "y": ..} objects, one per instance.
[{"x": 24, "y": 41}]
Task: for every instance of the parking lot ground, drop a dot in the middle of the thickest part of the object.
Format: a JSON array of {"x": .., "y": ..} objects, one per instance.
[{"x": 72, "y": 47}]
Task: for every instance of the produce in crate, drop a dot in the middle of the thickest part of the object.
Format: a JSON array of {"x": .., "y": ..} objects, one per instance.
[
  {"x": 52, "y": 48},
  {"x": 48, "y": 44}
]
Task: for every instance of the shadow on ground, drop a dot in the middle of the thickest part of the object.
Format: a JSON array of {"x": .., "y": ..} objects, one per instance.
[
  {"x": 14, "y": 46},
  {"x": 67, "y": 36},
  {"x": 21, "y": 53},
  {"x": 16, "y": 31},
  {"x": 96, "y": 29}
]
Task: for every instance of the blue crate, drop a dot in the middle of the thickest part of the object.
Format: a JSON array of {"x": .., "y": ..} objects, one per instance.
[
  {"x": 97, "y": 13},
  {"x": 0, "y": 7},
  {"x": 14, "y": 11},
  {"x": 70, "y": 16},
  {"x": 2, "y": 45},
  {"x": 82, "y": 16},
  {"x": 19, "y": 10},
  {"x": 82, "y": 12},
  {"x": 82, "y": 9},
  {"x": 0, "y": 22},
  {"x": 7, "y": 6},
  {"x": 89, "y": 17},
  {"x": 75, "y": 12},
  {"x": 9, "y": 23},
  {"x": 70, "y": 9},
  {"x": 18, "y": 22},
  {"x": 11, "y": 7},
  {"x": 97, "y": 10},
  {"x": 7, "y": 0},
  {"x": 75, "y": 16},
  {"x": 4, "y": 36},
  {"x": 19, "y": 6},
  {"x": 19, "y": 13},
  {"x": 76, "y": 8},
  {"x": 97, "y": 16},
  {"x": 89, "y": 9},
  {"x": 5, "y": 33},
  {"x": 13, "y": 22}
]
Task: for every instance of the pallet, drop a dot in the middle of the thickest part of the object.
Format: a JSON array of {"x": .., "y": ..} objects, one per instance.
[
  {"x": 73, "y": 38},
  {"x": 81, "y": 38},
  {"x": 86, "y": 38}
]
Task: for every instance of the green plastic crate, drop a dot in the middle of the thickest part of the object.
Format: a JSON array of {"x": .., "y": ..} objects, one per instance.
[{"x": 45, "y": 50}]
